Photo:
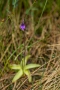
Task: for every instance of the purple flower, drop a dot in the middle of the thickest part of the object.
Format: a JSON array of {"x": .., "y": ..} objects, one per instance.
[{"x": 22, "y": 26}]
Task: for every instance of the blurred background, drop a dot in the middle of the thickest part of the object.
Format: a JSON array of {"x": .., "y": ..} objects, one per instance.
[{"x": 41, "y": 39}]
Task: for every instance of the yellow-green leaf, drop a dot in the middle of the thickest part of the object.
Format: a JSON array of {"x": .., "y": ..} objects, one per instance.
[
  {"x": 29, "y": 66},
  {"x": 16, "y": 67},
  {"x": 22, "y": 62},
  {"x": 18, "y": 75},
  {"x": 27, "y": 72},
  {"x": 26, "y": 58}
]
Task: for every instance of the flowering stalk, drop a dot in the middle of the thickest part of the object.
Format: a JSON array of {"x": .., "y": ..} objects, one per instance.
[{"x": 23, "y": 27}]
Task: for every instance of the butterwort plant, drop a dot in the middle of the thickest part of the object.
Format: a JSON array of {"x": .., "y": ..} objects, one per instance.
[{"x": 23, "y": 69}]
